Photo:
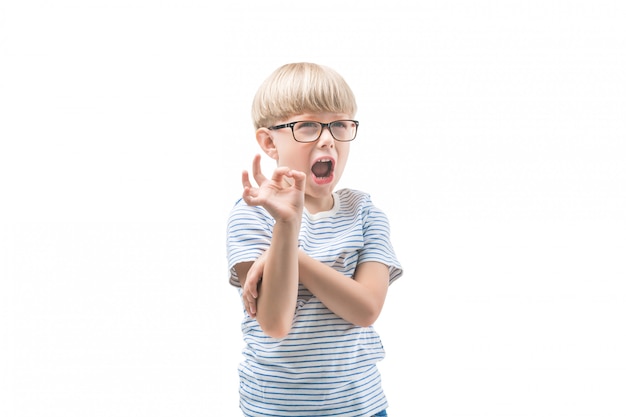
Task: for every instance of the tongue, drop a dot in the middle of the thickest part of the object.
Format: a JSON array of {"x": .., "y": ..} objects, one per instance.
[{"x": 321, "y": 169}]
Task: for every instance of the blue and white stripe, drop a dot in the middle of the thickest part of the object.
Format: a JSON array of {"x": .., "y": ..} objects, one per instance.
[{"x": 326, "y": 366}]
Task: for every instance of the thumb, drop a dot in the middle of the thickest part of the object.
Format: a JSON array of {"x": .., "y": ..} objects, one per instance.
[{"x": 299, "y": 180}]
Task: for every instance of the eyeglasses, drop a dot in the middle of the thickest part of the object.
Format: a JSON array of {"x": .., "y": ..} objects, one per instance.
[{"x": 307, "y": 131}]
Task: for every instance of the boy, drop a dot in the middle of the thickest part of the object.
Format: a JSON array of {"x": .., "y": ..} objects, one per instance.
[{"x": 312, "y": 264}]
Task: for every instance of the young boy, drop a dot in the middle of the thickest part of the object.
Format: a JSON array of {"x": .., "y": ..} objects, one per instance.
[{"x": 312, "y": 264}]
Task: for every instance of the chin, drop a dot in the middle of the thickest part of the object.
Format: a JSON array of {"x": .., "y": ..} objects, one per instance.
[{"x": 320, "y": 190}]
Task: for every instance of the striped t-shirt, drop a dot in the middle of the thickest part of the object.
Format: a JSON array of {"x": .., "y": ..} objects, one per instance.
[{"x": 325, "y": 366}]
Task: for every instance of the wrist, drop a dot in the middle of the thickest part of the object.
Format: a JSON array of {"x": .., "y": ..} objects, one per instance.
[
  {"x": 289, "y": 223},
  {"x": 286, "y": 232}
]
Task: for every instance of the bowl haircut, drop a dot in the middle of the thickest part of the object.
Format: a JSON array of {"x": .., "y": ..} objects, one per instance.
[{"x": 301, "y": 88}]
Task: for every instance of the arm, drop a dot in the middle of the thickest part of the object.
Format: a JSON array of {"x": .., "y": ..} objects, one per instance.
[
  {"x": 359, "y": 300},
  {"x": 278, "y": 290}
]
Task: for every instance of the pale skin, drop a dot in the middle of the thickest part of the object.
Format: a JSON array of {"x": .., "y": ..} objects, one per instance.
[{"x": 270, "y": 284}]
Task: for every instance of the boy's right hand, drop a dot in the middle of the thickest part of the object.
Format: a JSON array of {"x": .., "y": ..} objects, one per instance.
[{"x": 282, "y": 195}]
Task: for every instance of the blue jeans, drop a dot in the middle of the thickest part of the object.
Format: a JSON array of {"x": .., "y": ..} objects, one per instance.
[{"x": 381, "y": 414}]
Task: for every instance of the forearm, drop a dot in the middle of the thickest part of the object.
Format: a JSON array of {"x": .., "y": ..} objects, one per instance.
[
  {"x": 278, "y": 290},
  {"x": 356, "y": 301}
]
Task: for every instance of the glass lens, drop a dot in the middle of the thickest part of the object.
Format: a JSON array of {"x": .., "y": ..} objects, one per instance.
[
  {"x": 306, "y": 131},
  {"x": 343, "y": 129}
]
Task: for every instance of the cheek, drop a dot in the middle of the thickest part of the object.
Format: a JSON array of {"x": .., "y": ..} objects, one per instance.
[
  {"x": 343, "y": 156},
  {"x": 341, "y": 165},
  {"x": 293, "y": 163},
  {"x": 284, "y": 155}
]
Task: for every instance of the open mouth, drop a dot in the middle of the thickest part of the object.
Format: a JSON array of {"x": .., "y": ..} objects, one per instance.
[{"x": 322, "y": 170}]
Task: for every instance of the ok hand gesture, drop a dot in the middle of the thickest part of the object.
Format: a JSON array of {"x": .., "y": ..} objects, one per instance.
[{"x": 282, "y": 195}]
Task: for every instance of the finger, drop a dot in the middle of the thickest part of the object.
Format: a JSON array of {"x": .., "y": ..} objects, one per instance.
[
  {"x": 252, "y": 282},
  {"x": 250, "y": 304},
  {"x": 245, "y": 179},
  {"x": 249, "y": 193},
  {"x": 250, "y": 290},
  {"x": 249, "y": 196},
  {"x": 248, "y": 309},
  {"x": 299, "y": 180},
  {"x": 280, "y": 173},
  {"x": 256, "y": 170}
]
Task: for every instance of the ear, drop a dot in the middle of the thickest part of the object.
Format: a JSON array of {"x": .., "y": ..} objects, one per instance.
[{"x": 264, "y": 138}]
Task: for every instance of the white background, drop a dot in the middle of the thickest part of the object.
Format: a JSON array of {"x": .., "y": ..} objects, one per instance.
[{"x": 492, "y": 133}]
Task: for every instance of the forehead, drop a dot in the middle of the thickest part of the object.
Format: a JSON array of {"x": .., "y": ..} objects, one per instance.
[{"x": 324, "y": 117}]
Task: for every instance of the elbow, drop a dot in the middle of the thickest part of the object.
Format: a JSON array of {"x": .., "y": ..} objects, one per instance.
[
  {"x": 366, "y": 320},
  {"x": 367, "y": 317},
  {"x": 276, "y": 329},
  {"x": 276, "y": 334}
]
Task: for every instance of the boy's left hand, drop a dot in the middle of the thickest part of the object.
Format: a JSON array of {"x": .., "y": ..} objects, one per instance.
[{"x": 251, "y": 285}]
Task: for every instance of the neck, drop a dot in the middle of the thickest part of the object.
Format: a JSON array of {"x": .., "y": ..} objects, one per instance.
[{"x": 316, "y": 205}]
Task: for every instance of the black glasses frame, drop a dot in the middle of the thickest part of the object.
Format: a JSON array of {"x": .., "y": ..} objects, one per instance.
[{"x": 293, "y": 134}]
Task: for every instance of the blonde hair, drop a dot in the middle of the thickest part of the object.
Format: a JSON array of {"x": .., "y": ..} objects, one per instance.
[{"x": 301, "y": 88}]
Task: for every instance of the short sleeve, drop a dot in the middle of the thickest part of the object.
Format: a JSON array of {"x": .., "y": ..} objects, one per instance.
[
  {"x": 377, "y": 240},
  {"x": 249, "y": 233}
]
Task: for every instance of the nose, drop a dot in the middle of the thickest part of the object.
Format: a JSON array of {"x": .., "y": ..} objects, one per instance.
[{"x": 326, "y": 139}]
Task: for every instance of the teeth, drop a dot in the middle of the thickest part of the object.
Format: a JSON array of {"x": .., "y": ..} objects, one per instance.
[
  {"x": 322, "y": 167},
  {"x": 324, "y": 161}
]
